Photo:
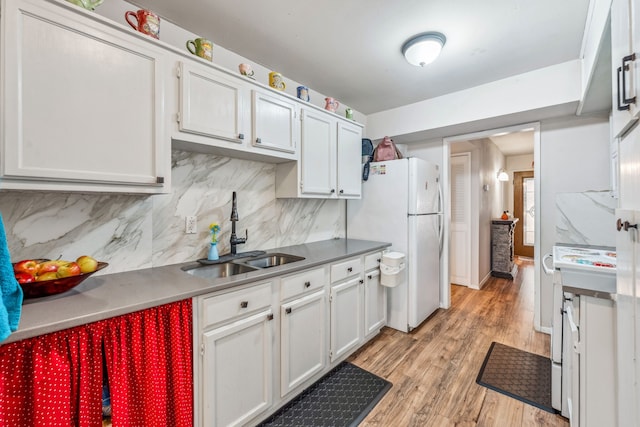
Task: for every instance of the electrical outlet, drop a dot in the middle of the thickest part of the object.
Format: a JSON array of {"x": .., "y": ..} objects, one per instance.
[{"x": 191, "y": 225}]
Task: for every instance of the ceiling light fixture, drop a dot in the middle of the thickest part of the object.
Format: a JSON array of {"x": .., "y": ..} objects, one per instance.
[
  {"x": 424, "y": 48},
  {"x": 503, "y": 175}
]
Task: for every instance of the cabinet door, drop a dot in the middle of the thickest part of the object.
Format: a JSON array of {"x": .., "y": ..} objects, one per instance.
[
  {"x": 375, "y": 303},
  {"x": 346, "y": 317},
  {"x": 349, "y": 161},
  {"x": 274, "y": 122},
  {"x": 83, "y": 102},
  {"x": 317, "y": 157},
  {"x": 628, "y": 320},
  {"x": 303, "y": 340},
  {"x": 211, "y": 103},
  {"x": 625, "y": 39},
  {"x": 237, "y": 370},
  {"x": 629, "y": 159}
]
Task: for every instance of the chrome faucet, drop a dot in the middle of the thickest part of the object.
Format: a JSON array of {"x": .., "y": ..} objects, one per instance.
[{"x": 234, "y": 218}]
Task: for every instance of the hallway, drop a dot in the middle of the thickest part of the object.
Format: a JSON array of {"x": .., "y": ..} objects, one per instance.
[{"x": 433, "y": 369}]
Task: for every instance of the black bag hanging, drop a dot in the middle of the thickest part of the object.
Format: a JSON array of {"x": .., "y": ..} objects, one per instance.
[{"x": 367, "y": 150}]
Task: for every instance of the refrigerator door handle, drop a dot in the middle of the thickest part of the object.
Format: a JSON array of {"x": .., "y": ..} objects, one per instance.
[
  {"x": 440, "y": 207},
  {"x": 440, "y": 233}
]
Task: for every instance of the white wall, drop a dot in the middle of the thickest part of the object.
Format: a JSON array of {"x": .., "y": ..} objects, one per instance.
[
  {"x": 574, "y": 157},
  {"x": 551, "y": 86}
]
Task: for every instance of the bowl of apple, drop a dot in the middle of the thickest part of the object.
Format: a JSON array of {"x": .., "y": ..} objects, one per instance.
[{"x": 44, "y": 277}]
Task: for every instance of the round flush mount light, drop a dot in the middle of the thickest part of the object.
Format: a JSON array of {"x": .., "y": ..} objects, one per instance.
[{"x": 424, "y": 48}]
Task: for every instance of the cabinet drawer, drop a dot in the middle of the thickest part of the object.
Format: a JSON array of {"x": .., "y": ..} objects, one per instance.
[
  {"x": 342, "y": 270},
  {"x": 224, "y": 307},
  {"x": 372, "y": 261},
  {"x": 301, "y": 282}
]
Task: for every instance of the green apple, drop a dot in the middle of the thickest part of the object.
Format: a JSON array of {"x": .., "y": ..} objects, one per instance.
[
  {"x": 87, "y": 264},
  {"x": 69, "y": 269}
]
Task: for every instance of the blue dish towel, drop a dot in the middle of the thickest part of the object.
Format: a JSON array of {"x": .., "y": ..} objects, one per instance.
[{"x": 11, "y": 303}]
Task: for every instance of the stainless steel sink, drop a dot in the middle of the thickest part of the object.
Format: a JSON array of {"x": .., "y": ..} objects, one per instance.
[
  {"x": 272, "y": 260},
  {"x": 216, "y": 271}
]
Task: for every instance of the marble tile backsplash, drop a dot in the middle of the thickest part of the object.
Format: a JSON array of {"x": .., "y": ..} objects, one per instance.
[
  {"x": 131, "y": 232},
  {"x": 586, "y": 218}
]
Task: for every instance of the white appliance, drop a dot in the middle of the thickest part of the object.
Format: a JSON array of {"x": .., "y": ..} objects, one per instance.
[
  {"x": 402, "y": 204},
  {"x": 587, "y": 267}
]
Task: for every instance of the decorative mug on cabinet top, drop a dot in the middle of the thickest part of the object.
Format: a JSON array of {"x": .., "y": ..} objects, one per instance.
[
  {"x": 146, "y": 22},
  {"x": 276, "y": 81},
  {"x": 245, "y": 70},
  {"x": 303, "y": 93},
  {"x": 331, "y": 104},
  {"x": 201, "y": 47}
]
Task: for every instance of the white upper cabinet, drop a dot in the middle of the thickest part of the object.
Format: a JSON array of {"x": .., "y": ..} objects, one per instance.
[
  {"x": 349, "y": 159},
  {"x": 625, "y": 58},
  {"x": 317, "y": 159},
  {"x": 221, "y": 113},
  {"x": 274, "y": 122},
  {"x": 82, "y": 103},
  {"x": 211, "y": 103},
  {"x": 330, "y": 159}
]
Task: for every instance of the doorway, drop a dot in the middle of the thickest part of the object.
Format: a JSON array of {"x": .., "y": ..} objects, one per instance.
[
  {"x": 524, "y": 209},
  {"x": 487, "y": 187}
]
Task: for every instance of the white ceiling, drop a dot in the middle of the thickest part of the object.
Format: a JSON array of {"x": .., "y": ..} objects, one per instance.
[
  {"x": 515, "y": 143},
  {"x": 350, "y": 49}
]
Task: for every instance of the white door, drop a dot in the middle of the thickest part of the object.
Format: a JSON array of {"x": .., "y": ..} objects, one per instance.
[
  {"x": 346, "y": 317},
  {"x": 274, "y": 124},
  {"x": 627, "y": 322},
  {"x": 318, "y": 152},
  {"x": 424, "y": 187},
  {"x": 460, "y": 250},
  {"x": 349, "y": 160},
  {"x": 303, "y": 337},
  {"x": 375, "y": 303},
  {"x": 211, "y": 103},
  {"x": 237, "y": 370},
  {"x": 423, "y": 267}
]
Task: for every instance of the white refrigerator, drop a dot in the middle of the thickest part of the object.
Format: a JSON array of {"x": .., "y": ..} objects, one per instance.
[{"x": 402, "y": 204}]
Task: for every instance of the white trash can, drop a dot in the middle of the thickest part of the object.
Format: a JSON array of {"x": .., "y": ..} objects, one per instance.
[{"x": 392, "y": 269}]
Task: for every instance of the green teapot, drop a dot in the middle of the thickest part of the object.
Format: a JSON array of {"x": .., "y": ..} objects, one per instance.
[{"x": 87, "y": 4}]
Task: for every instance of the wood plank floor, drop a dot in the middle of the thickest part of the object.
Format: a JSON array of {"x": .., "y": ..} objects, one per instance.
[{"x": 433, "y": 369}]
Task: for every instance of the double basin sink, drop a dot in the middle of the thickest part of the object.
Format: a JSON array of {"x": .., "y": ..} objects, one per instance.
[{"x": 240, "y": 265}]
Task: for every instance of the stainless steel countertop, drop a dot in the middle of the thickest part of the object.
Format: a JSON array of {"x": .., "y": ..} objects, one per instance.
[{"x": 111, "y": 295}]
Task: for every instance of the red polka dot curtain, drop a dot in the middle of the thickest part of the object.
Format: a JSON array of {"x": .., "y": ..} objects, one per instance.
[{"x": 56, "y": 379}]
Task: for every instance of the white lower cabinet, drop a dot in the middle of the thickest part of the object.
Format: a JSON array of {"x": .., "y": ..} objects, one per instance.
[
  {"x": 346, "y": 303},
  {"x": 346, "y": 317},
  {"x": 303, "y": 333},
  {"x": 234, "y": 373},
  {"x": 257, "y": 348},
  {"x": 375, "y": 303},
  {"x": 375, "y": 296}
]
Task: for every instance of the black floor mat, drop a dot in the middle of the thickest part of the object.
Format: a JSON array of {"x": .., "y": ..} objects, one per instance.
[
  {"x": 343, "y": 397},
  {"x": 519, "y": 374}
]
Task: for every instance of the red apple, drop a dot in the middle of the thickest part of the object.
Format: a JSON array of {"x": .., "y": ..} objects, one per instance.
[
  {"x": 48, "y": 267},
  {"x": 51, "y": 275},
  {"x": 23, "y": 277},
  {"x": 87, "y": 264},
  {"x": 26, "y": 266},
  {"x": 69, "y": 269}
]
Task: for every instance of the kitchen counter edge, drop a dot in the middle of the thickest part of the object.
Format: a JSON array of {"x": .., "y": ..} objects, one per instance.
[{"x": 110, "y": 295}]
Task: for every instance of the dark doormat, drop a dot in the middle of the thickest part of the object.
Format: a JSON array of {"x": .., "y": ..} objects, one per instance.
[
  {"x": 522, "y": 375},
  {"x": 343, "y": 397}
]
